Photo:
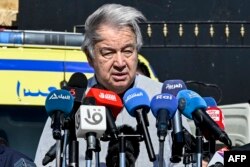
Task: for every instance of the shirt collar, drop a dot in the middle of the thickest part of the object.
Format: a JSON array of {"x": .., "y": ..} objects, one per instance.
[{"x": 93, "y": 81}]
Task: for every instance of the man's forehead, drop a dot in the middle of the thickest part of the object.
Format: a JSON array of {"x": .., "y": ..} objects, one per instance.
[
  {"x": 107, "y": 31},
  {"x": 107, "y": 46}
]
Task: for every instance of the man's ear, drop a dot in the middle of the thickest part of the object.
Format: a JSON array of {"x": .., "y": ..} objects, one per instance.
[{"x": 89, "y": 57}]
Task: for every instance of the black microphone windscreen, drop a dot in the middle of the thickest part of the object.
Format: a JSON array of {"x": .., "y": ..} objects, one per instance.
[
  {"x": 78, "y": 80},
  {"x": 89, "y": 101},
  {"x": 132, "y": 148},
  {"x": 77, "y": 85}
]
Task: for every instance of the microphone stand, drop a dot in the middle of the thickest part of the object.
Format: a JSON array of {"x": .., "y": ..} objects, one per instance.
[
  {"x": 177, "y": 135},
  {"x": 199, "y": 143},
  {"x": 88, "y": 157},
  {"x": 91, "y": 146},
  {"x": 199, "y": 139},
  {"x": 73, "y": 153},
  {"x": 73, "y": 146},
  {"x": 58, "y": 153},
  {"x": 186, "y": 157},
  {"x": 66, "y": 126},
  {"x": 122, "y": 147},
  {"x": 189, "y": 148},
  {"x": 66, "y": 134},
  {"x": 161, "y": 135},
  {"x": 211, "y": 147},
  {"x": 97, "y": 151},
  {"x": 122, "y": 154},
  {"x": 56, "y": 125},
  {"x": 162, "y": 126},
  {"x": 161, "y": 153}
]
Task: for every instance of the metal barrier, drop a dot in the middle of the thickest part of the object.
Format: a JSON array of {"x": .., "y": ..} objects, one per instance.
[{"x": 193, "y": 34}]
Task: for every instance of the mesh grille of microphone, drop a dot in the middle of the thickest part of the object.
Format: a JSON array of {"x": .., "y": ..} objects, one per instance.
[{"x": 132, "y": 148}]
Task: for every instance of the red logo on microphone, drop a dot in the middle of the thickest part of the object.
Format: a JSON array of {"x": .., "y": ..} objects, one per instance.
[{"x": 72, "y": 92}]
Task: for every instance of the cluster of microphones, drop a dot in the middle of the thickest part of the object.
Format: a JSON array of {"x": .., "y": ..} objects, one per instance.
[{"x": 92, "y": 117}]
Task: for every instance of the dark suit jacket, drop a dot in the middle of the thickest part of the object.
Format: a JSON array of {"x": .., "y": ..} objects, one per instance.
[{"x": 8, "y": 156}]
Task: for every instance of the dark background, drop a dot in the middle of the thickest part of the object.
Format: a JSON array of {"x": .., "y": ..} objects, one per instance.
[
  {"x": 225, "y": 67},
  {"x": 62, "y": 15}
]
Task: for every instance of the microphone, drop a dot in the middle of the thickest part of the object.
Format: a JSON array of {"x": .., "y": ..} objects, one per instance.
[
  {"x": 113, "y": 104},
  {"x": 137, "y": 103},
  {"x": 132, "y": 148},
  {"x": 193, "y": 106},
  {"x": 173, "y": 87},
  {"x": 217, "y": 115},
  {"x": 50, "y": 155},
  {"x": 210, "y": 101},
  {"x": 215, "y": 112},
  {"x": 90, "y": 123},
  {"x": 58, "y": 104},
  {"x": 163, "y": 107},
  {"x": 24, "y": 163},
  {"x": 76, "y": 86},
  {"x": 107, "y": 98}
]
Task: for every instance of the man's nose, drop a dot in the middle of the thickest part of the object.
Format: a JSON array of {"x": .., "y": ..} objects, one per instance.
[{"x": 120, "y": 60}]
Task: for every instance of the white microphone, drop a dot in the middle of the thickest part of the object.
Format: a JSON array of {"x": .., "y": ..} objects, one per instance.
[{"x": 90, "y": 123}]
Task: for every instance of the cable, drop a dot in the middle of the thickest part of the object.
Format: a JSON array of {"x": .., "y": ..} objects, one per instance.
[{"x": 208, "y": 85}]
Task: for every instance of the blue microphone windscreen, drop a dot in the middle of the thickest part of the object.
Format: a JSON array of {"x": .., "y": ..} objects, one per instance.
[
  {"x": 135, "y": 98},
  {"x": 164, "y": 101},
  {"x": 173, "y": 86},
  {"x": 59, "y": 100},
  {"x": 210, "y": 101},
  {"x": 193, "y": 101}
]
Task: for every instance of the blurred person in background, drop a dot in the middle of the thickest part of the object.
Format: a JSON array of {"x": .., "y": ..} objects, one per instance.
[{"x": 8, "y": 156}]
